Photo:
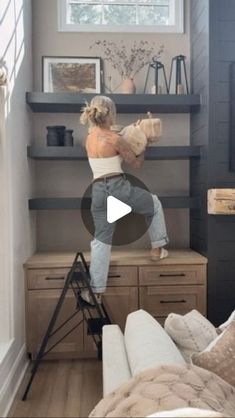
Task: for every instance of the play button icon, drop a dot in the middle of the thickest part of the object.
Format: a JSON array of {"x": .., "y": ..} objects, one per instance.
[{"x": 116, "y": 209}]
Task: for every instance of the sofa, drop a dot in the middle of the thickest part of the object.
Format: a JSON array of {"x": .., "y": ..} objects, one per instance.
[
  {"x": 148, "y": 360},
  {"x": 126, "y": 356}
]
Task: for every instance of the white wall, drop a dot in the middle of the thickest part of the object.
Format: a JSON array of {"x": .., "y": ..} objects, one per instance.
[
  {"x": 17, "y": 226},
  {"x": 71, "y": 178}
]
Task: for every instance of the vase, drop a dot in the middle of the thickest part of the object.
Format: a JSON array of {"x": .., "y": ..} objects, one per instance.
[
  {"x": 128, "y": 86},
  {"x": 68, "y": 138},
  {"x": 55, "y": 136}
]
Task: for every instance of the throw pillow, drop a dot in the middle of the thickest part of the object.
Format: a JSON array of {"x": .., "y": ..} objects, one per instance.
[
  {"x": 219, "y": 356},
  {"x": 191, "y": 332}
]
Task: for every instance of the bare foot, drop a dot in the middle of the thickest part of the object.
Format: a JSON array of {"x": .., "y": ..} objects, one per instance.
[
  {"x": 86, "y": 296},
  {"x": 158, "y": 253}
]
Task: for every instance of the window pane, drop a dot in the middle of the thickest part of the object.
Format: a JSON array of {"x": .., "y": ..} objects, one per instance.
[
  {"x": 121, "y": 2},
  {"x": 119, "y": 15},
  {"x": 155, "y": 2},
  {"x": 153, "y": 15},
  {"x": 85, "y": 14},
  {"x": 126, "y": 2},
  {"x": 83, "y": 2},
  {"x": 120, "y": 12}
]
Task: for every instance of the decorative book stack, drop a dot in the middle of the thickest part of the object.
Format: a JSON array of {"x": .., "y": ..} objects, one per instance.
[{"x": 221, "y": 201}]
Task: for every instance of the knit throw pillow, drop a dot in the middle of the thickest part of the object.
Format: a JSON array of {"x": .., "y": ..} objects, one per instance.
[
  {"x": 192, "y": 332},
  {"x": 219, "y": 356}
]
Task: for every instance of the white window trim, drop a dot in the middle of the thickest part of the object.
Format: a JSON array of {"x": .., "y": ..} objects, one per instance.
[
  {"x": 6, "y": 315},
  {"x": 177, "y": 17}
]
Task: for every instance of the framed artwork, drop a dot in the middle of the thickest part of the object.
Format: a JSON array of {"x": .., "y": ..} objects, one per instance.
[{"x": 71, "y": 74}]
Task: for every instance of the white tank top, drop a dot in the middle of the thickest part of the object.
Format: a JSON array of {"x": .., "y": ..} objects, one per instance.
[{"x": 103, "y": 166}]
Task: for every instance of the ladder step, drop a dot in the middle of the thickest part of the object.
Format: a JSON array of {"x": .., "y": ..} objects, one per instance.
[
  {"x": 95, "y": 325},
  {"x": 83, "y": 304}
]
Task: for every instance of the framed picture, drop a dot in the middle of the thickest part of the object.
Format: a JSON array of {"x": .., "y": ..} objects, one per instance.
[{"x": 71, "y": 74}]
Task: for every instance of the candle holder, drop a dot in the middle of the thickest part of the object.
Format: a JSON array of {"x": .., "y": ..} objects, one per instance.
[
  {"x": 181, "y": 82},
  {"x": 156, "y": 81}
]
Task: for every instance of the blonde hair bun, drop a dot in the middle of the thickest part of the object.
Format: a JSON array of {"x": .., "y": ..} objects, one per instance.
[{"x": 100, "y": 112}]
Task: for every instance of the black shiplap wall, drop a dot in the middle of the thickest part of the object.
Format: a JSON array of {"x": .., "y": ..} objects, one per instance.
[
  {"x": 214, "y": 236},
  {"x": 200, "y": 121}
]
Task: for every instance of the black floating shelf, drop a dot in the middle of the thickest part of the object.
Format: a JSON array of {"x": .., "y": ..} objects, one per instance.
[
  {"x": 126, "y": 103},
  {"x": 78, "y": 153},
  {"x": 75, "y": 203},
  {"x": 57, "y": 153}
]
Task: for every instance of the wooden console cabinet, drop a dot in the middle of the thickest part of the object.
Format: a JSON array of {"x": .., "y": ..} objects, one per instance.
[{"x": 176, "y": 284}]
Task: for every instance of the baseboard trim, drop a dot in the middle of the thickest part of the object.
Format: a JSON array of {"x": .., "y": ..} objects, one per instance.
[{"x": 12, "y": 382}]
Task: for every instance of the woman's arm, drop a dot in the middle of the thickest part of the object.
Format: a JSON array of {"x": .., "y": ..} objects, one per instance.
[{"x": 125, "y": 151}]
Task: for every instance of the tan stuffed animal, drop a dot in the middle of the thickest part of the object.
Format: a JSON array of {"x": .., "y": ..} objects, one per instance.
[{"x": 143, "y": 132}]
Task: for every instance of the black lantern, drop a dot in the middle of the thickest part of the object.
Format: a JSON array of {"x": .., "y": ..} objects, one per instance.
[
  {"x": 179, "y": 67},
  {"x": 156, "y": 81}
]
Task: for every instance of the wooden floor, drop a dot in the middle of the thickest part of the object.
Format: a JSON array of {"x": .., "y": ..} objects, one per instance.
[{"x": 66, "y": 388}]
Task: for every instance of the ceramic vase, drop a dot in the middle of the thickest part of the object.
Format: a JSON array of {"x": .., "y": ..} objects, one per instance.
[
  {"x": 55, "y": 136},
  {"x": 68, "y": 138},
  {"x": 128, "y": 86}
]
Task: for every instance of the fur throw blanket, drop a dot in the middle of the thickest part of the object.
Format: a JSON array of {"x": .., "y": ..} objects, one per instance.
[{"x": 166, "y": 388}]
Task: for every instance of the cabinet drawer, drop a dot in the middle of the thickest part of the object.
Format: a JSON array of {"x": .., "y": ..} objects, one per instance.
[
  {"x": 122, "y": 276},
  {"x": 55, "y": 278},
  {"x": 162, "y": 300},
  {"x": 171, "y": 275},
  {"x": 46, "y": 278}
]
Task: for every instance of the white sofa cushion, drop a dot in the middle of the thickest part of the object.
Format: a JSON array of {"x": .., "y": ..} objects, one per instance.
[
  {"x": 148, "y": 344},
  {"x": 115, "y": 363}
]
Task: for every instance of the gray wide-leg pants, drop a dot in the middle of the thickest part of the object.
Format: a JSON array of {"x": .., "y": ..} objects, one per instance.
[{"x": 141, "y": 202}]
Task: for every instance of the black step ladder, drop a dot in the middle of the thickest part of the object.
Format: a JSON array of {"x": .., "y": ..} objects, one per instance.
[{"x": 96, "y": 316}]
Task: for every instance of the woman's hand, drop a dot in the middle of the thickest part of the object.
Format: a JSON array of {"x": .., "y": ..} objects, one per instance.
[{"x": 125, "y": 151}]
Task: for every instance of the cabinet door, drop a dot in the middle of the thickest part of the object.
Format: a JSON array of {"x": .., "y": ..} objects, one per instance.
[
  {"x": 160, "y": 301},
  {"x": 40, "y": 307},
  {"x": 119, "y": 302}
]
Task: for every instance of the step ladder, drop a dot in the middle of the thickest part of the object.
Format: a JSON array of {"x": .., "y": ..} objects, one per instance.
[{"x": 95, "y": 317}]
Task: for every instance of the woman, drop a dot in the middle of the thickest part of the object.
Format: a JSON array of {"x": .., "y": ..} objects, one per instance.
[{"x": 106, "y": 150}]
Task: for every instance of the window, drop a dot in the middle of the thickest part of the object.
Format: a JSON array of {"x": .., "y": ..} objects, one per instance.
[{"x": 121, "y": 15}]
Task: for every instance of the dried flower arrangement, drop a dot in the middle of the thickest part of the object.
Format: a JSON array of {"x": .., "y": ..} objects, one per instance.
[{"x": 128, "y": 63}]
